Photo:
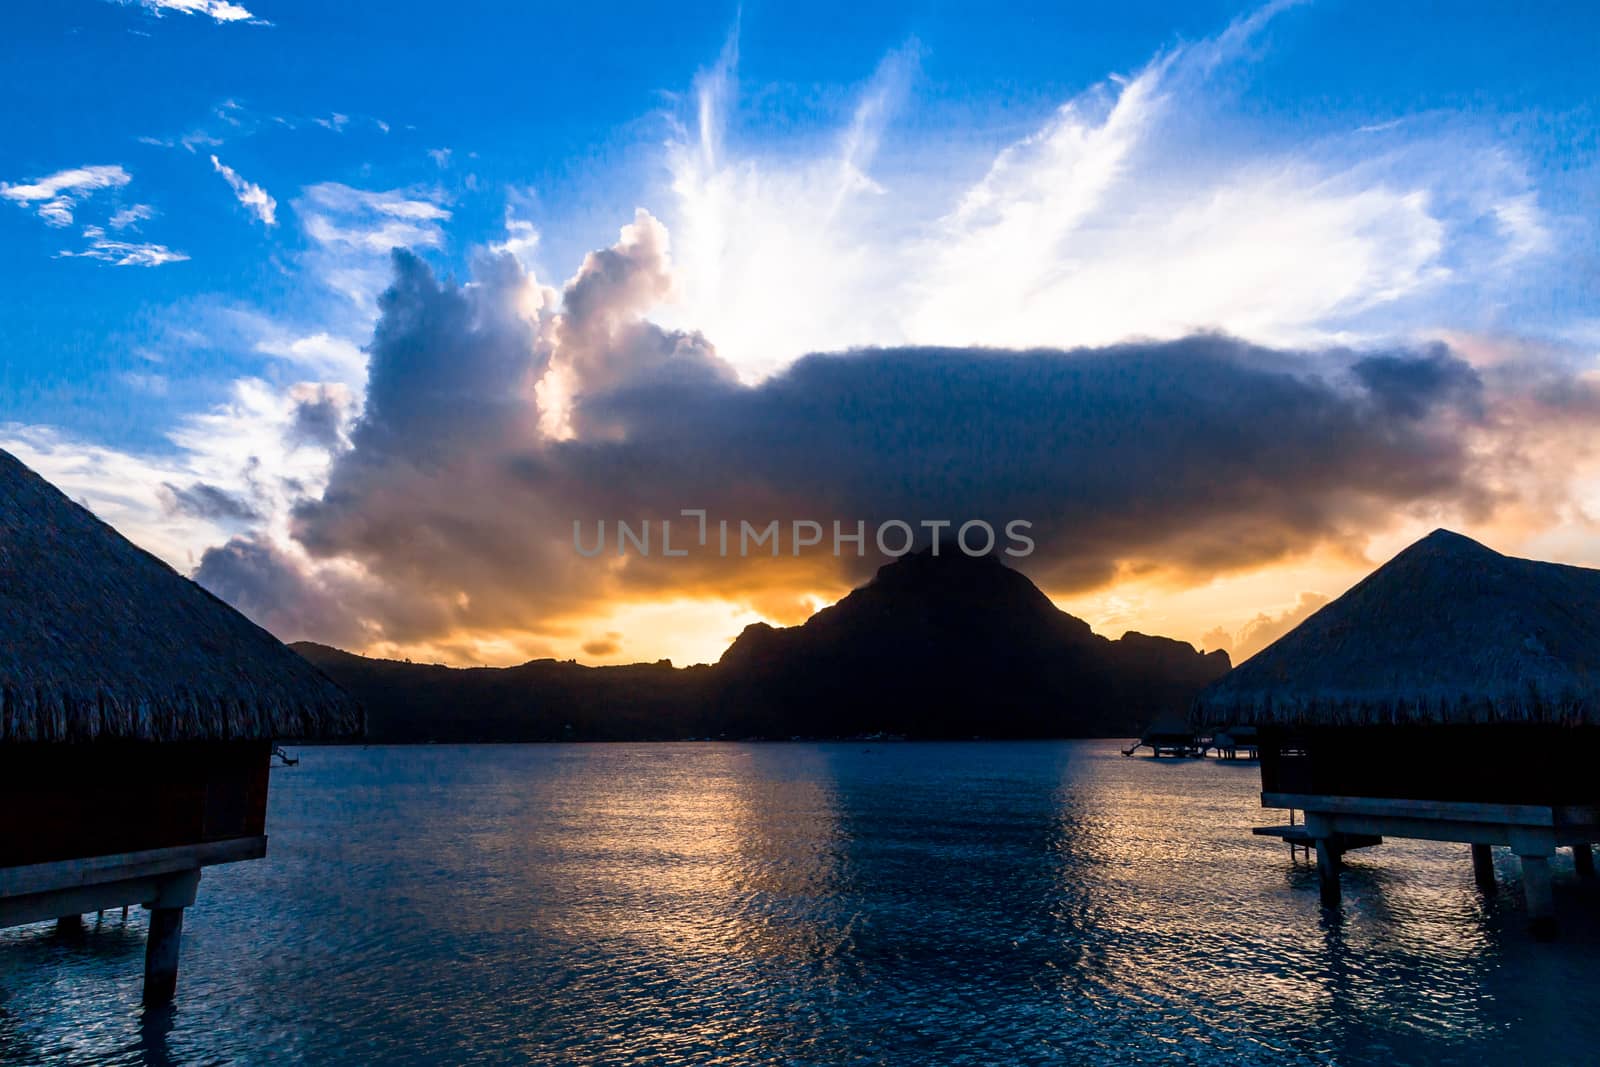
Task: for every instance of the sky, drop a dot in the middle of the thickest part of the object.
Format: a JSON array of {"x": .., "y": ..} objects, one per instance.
[{"x": 352, "y": 311}]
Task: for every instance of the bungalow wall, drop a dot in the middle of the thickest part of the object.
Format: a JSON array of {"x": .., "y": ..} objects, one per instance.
[
  {"x": 1500, "y": 764},
  {"x": 71, "y": 801}
]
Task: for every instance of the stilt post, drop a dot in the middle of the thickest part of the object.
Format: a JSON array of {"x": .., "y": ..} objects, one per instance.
[
  {"x": 1328, "y": 871},
  {"x": 1483, "y": 867},
  {"x": 1320, "y": 831},
  {"x": 1536, "y": 892},
  {"x": 1583, "y": 860},
  {"x": 161, "y": 955},
  {"x": 165, "y": 937}
]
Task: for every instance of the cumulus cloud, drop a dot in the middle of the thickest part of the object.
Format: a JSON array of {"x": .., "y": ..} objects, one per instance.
[
  {"x": 255, "y": 199},
  {"x": 54, "y": 197},
  {"x": 601, "y": 340},
  {"x": 498, "y": 410},
  {"x": 1195, "y": 457},
  {"x": 277, "y": 591},
  {"x": 321, "y": 411},
  {"x": 438, "y": 498}
]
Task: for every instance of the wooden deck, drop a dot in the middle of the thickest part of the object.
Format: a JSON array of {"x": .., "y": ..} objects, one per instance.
[
  {"x": 1334, "y": 824},
  {"x": 1297, "y": 834},
  {"x": 40, "y": 891},
  {"x": 164, "y": 880}
]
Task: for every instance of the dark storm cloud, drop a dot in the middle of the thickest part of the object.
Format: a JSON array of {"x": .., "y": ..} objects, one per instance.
[
  {"x": 1204, "y": 452},
  {"x": 1410, "y": 386},
  {"x": 449, "y": 366},
  {"x": 1196, "y": 456},
  {"x": 498, "y": 413}
]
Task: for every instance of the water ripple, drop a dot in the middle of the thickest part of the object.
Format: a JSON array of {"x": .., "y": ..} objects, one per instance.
[{"x": 808, "y": 904}]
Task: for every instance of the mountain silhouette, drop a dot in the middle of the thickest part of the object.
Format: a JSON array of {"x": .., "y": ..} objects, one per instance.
[{"x": 934, "y": 646}]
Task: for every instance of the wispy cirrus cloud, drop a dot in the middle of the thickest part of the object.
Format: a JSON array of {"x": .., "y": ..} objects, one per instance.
[
  {"x": 122, "y": 253},
  {"x": 54, "y": 196},
  {"x": 189, "y": 141},
  {"x": 329, "y": 357},
  {"x": 254, "y": 198},
  {"x": 353, "y": 231},
  {"x": 223, "y": 11},
  {"x": 131, "y": 216},
  {"x": 374, "y": 221},
  {"x": 1133, "y": 210}
]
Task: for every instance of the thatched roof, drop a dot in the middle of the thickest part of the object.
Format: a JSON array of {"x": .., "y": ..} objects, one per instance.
[
  {"x": 99, "y": 639},
  {"x": 1446, "y": 632}
]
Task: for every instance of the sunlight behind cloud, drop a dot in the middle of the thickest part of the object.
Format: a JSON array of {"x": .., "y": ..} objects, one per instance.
[
  {"x": 776, "y": 258},
  {"x": 1139, "y": 207},
  {"x": 1114, "y": 219}
]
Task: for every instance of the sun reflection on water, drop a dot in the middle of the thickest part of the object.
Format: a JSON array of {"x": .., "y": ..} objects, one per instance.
[{"x": 820, "y": 904}]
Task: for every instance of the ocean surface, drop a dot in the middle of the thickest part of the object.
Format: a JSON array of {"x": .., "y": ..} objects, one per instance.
[{"x": 809, "y": 904}]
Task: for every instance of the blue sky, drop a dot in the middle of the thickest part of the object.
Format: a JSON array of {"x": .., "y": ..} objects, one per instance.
[{"x": 197, "y": 196}]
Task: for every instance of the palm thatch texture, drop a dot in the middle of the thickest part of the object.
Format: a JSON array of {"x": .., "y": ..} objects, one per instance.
[
  {"x": 101, "y": 640},
  {"x": 1447, "y": 632}
]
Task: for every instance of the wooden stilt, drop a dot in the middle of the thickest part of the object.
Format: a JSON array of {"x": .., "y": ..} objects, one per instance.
[
  {"x": 1536, "y": 892},
  {"x": 1583, "y": 860},
  {"x": 161, "y": 955},
  {"x": 165, "y": 934},
  {"x": 69, "y": 926},
  {"x": 1328, "y": 871},
  {"x": 1483, "y": 867}
]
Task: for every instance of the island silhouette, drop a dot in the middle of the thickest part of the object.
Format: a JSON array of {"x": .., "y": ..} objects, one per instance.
[{"x": 936, "y": 646}]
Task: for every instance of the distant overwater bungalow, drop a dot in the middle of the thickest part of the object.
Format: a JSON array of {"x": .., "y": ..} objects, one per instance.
[
  {"x": 1452, "y": 695},
  {"x": 137, "y": 720},
  {"x": 1170, "y": 737}
]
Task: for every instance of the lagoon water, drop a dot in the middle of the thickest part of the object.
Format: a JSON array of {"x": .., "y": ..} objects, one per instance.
[{"x": 809, "y": 904}]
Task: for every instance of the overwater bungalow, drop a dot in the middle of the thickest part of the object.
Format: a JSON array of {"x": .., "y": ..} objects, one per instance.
[
  {"x": 1173, "y": 738},
  {"x": 1235, "y": 742},
  {"x": 137, "y": 719},
  {"x": 1452, "y": 695}
]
